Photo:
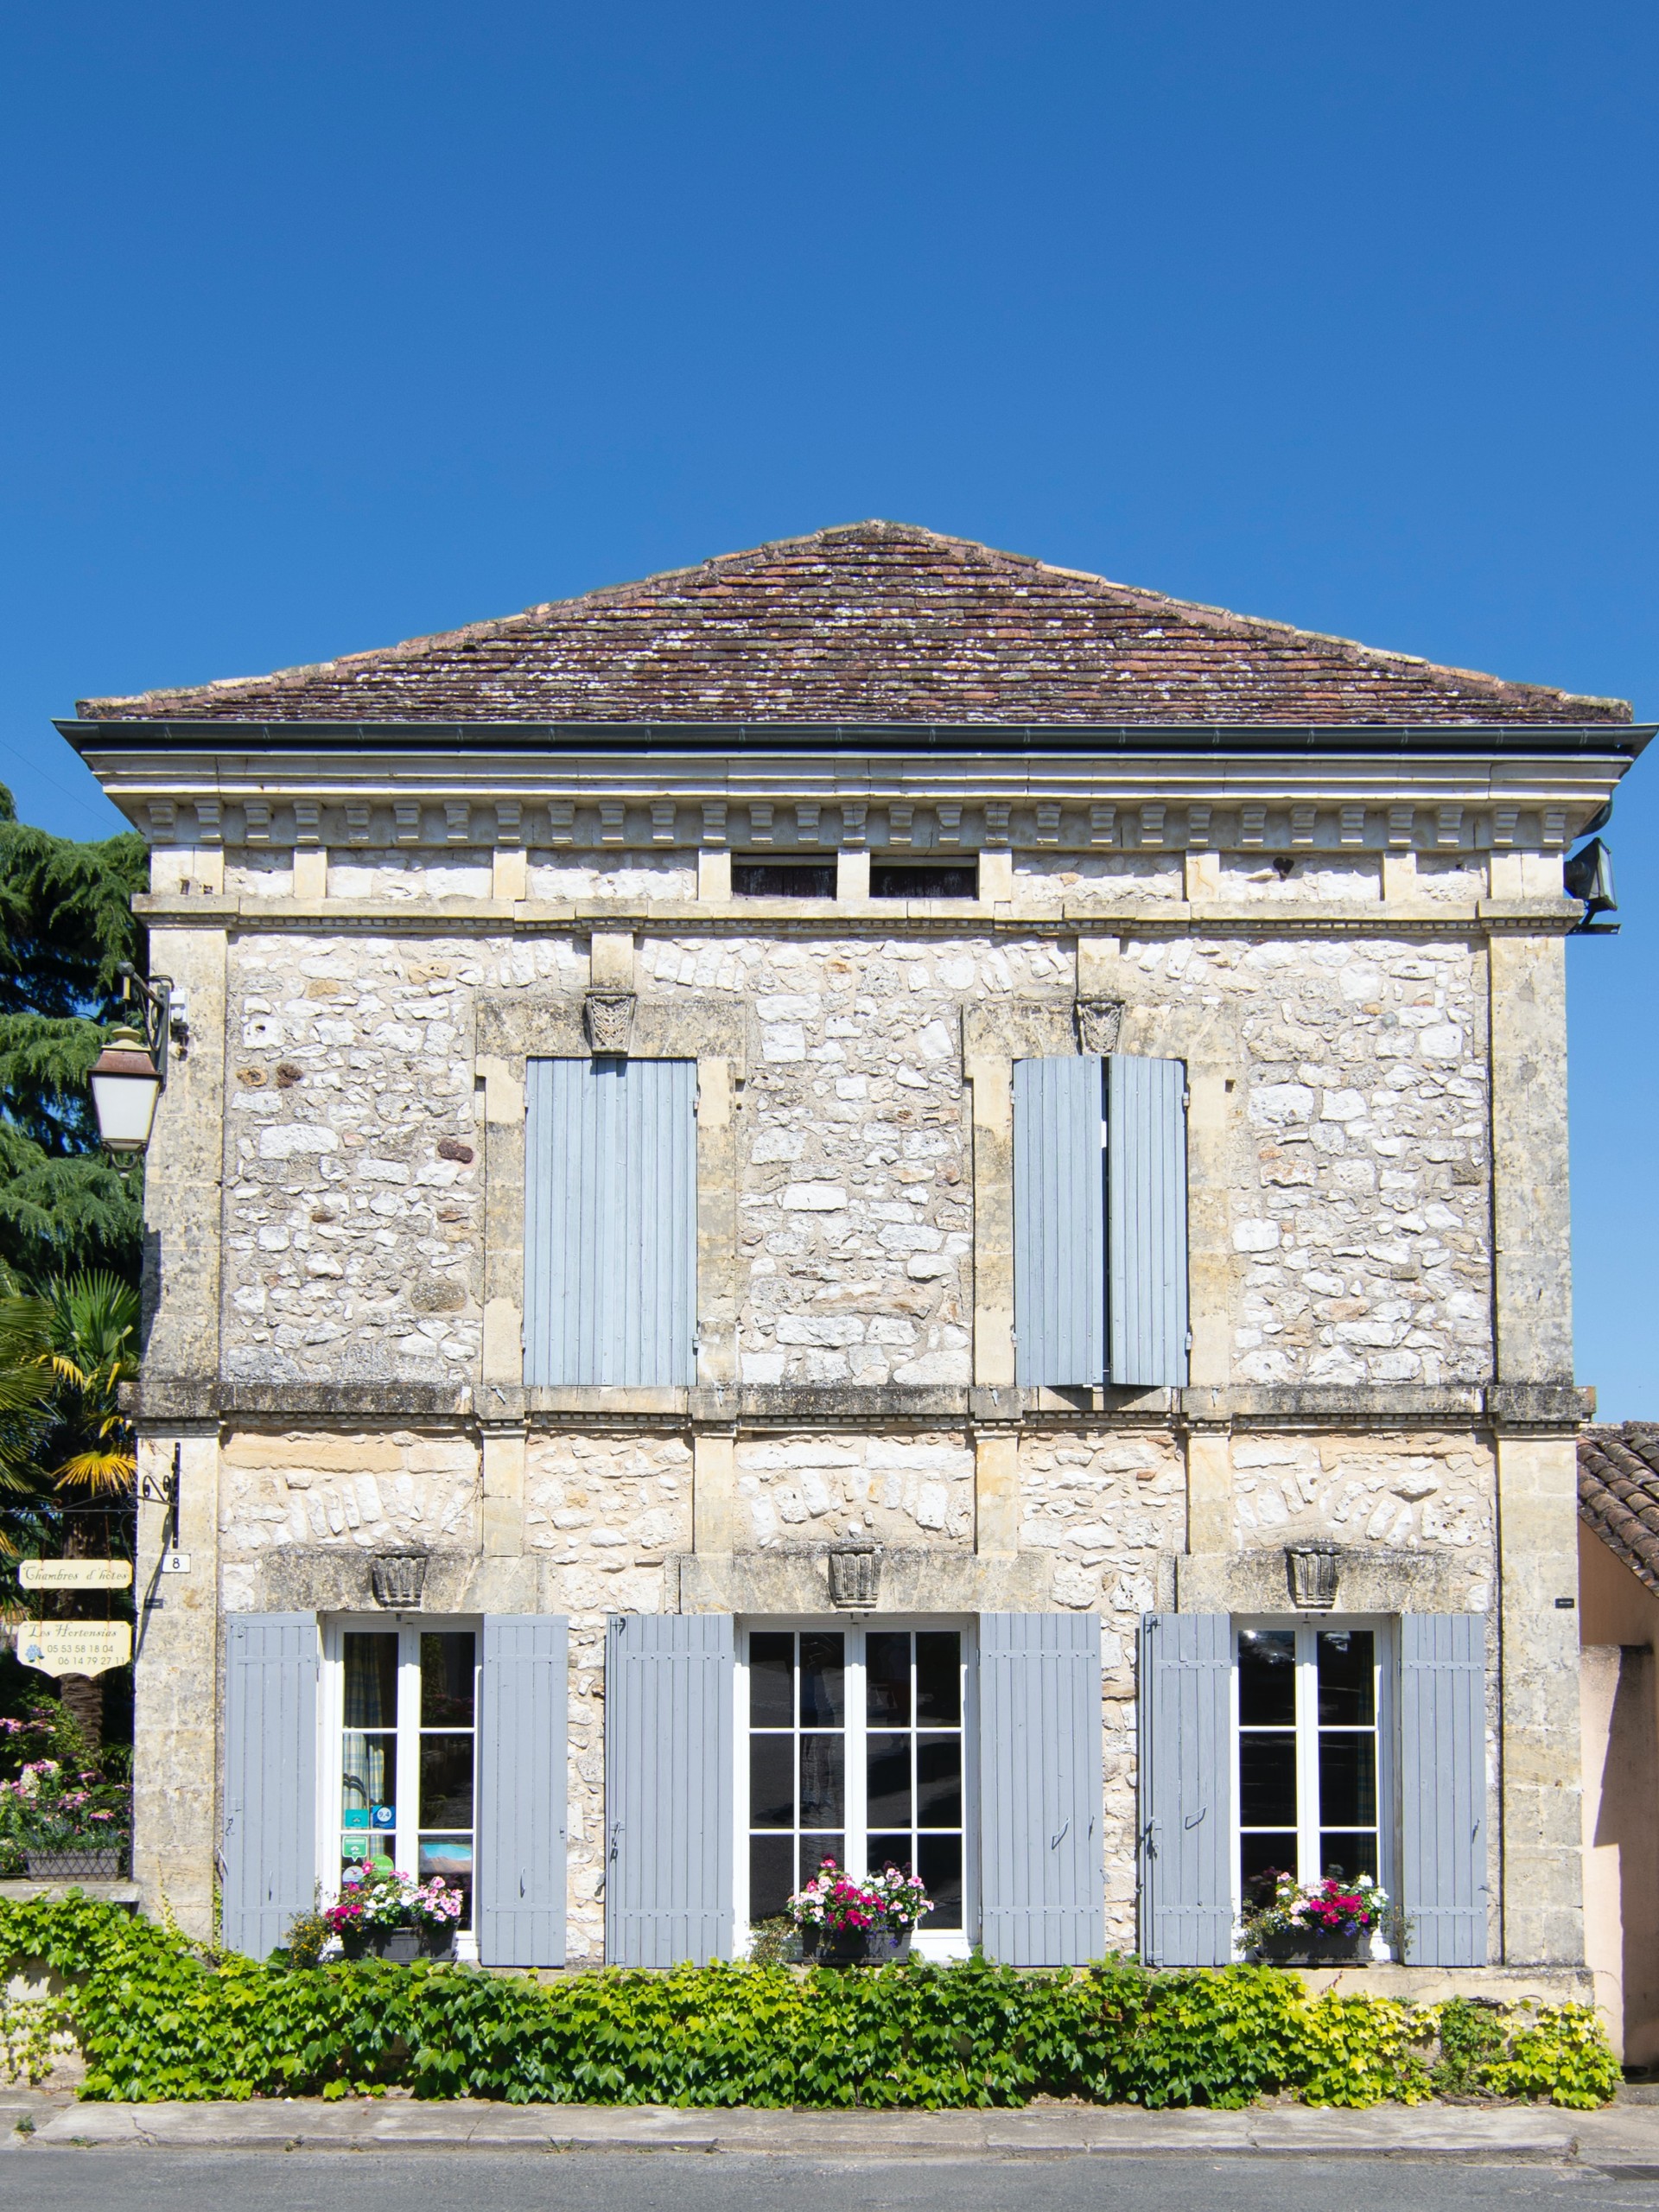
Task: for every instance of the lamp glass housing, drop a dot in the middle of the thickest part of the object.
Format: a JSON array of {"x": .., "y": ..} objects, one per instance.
[{"x": 125, "y": 1085}]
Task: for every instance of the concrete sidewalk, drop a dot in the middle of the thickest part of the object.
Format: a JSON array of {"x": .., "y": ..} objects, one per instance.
[{"x": 1623, "y": 2139}]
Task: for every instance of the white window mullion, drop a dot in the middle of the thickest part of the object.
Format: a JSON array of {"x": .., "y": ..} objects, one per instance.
[
  {"x": 406, "y": 1855},
  {"x": 331, "y": 1704},
  {"x": 1307, "y": 1756},
  {"x": 856, "y": 1781}
]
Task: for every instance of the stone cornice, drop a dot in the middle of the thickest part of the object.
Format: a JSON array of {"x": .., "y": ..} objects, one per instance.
[
  {"x": 1146, "y": 801},
  {"x": 163, "y": 1405},
  {"x": 819, "y": 919}
]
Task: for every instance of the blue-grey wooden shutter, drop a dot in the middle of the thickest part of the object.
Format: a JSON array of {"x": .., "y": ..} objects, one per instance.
[
  {"x": 670, "y": 1811},
  {"x": 610, "y": 1221},
  {"x": 1443, "y": 1788},
  {"x": 1187, "y": 1790},
  {"x": 1059, "y": 1222},
  {"x": 1042, "y": 1883},
  {"x": 1146, "y": 1217},
  {"x": 269, "y": 1860},
  {"x": 518, "y": 1900}
]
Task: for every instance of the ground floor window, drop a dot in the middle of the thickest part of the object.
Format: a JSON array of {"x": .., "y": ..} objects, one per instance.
[
  {"x": 398, "y": 1786},
  {"x": 856, "y": 1749},
  {"x": 1313, "y": 1782}
]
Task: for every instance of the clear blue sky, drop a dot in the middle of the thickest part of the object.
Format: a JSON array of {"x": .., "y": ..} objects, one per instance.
[{"x": 331, "y": 326}]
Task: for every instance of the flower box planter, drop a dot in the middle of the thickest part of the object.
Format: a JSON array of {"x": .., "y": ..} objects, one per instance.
[
  {"x": 401, "y": 1947},
  {"x": 855, "y": 1947},
  {"x": 90, "y": 1865},
  {"x": 1292, "y": 1946}
]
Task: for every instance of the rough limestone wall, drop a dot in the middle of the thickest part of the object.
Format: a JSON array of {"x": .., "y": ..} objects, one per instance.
[
  {"x": 635, "y": 876},
  {"x": 1428, "y": 1493},
  {"x": 602, "y": 1514},
  {"x": 1360, "y": 1199},
  {"x": 371, "y": 1492},
  {"x": 906, "y": 1491},
  {"x": 1098, "y": 878},
  {"x": 1107, "y": 1508},
  {"x": 407, "y": 876},
  {"x": 855, "y": 1219},
  {"x": 1321, "y": 882},
  {"x": 352, "y": 1178}
]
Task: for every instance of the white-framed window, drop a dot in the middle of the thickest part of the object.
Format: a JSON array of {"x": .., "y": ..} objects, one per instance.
[
  {"x": 1313, "y": 1747},
  {"x": 856, "y": 1744},
  {"x": 400, "y": 1705}
]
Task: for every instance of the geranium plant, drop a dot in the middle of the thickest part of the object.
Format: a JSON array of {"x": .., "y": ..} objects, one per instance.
[
  {"x": 1332, "y": 1907},
  {"x": 375, "y": 1900},
  {"x": 835, "y": 1900}
]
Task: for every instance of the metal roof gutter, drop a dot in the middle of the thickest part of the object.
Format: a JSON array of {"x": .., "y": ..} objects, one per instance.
[{"x": 1622, "y": 740}]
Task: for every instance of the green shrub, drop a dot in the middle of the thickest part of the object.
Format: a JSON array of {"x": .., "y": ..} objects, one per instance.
[
  {"x": 1471, "y": 2042},
  {"x": 158, "y": 2017}
]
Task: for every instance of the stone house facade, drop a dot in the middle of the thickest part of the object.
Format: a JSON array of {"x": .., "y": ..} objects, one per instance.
[{"x": 873, "y": 1199}]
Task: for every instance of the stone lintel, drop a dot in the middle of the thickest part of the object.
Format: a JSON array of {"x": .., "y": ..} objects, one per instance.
[
  {"x": 797, "y": 1580},
  {"x": 1370, "y": 1578}
]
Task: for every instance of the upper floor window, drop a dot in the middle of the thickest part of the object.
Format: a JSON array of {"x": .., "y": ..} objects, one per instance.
[
  {"x": 1100, "y": 1221},
  {"x": 610, "y": 1221}
]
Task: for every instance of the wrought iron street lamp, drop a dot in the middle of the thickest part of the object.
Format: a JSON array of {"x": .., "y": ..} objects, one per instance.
[{"x": 130, "y": 1072}]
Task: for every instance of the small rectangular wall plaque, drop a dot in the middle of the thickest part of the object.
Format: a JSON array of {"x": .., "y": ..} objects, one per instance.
[{"x": 75, "y": 1573}]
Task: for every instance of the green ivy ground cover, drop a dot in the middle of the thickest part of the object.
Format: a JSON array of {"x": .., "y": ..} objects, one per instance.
[{"x": 158, "y": 2017}]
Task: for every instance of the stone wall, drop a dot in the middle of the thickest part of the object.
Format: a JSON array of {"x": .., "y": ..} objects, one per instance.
[
  {"x": 1432, "y": 1492},
  {"x": 855, "y": 1203},
  {"x": 351, "y": 1173},
  {"x": 903, "y": 1491},
  {"x": 1357, "y": 1147},
  {"x": 1110, "y": 1510},
  {"x": 1357, "y": 1184}
]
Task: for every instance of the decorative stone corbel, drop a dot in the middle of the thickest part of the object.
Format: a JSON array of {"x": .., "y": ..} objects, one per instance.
[
  {"x": 854, "y": 1575},
  {"x": 398, "y": 1578},
  {"x": 1098, "y": 1023},
  {"x": 1312, "y": 1571},
  {"x": 609, "y": 1017}
]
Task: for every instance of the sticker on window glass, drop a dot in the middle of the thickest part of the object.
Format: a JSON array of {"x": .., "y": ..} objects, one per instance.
[
  {"x": 383, "y": 1816},
  {"x": 353, "y": 1848},
  {"x": 357, "y": 1816}
]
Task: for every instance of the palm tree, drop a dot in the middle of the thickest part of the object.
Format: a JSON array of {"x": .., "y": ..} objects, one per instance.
[
  {"x": 94, "y": 1329},
  {"x": 26, "y": 1385},
  {"x": 63, "y": 1358}
]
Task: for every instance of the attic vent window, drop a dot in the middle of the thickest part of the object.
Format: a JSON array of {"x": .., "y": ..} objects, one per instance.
[
  {"x": 925, "y": 879},
  {"x": 775, "y": 879}
]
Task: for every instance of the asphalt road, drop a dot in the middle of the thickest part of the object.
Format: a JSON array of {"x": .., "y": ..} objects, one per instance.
[{"x": 41, "y": 2179}]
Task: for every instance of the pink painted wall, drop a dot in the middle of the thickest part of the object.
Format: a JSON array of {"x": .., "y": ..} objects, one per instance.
[{"x": 1620, "y": 1697}]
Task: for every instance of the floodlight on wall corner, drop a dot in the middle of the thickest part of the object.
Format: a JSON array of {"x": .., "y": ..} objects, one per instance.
[
  {"x": 130, "y": 1074},
  {"x": 1588, "y": 875}
]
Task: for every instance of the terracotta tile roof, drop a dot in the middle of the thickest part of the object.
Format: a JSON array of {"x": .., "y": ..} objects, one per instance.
[
  {"x": 877, "y": 622},
  {"x": 1618, "y": 1493}
]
